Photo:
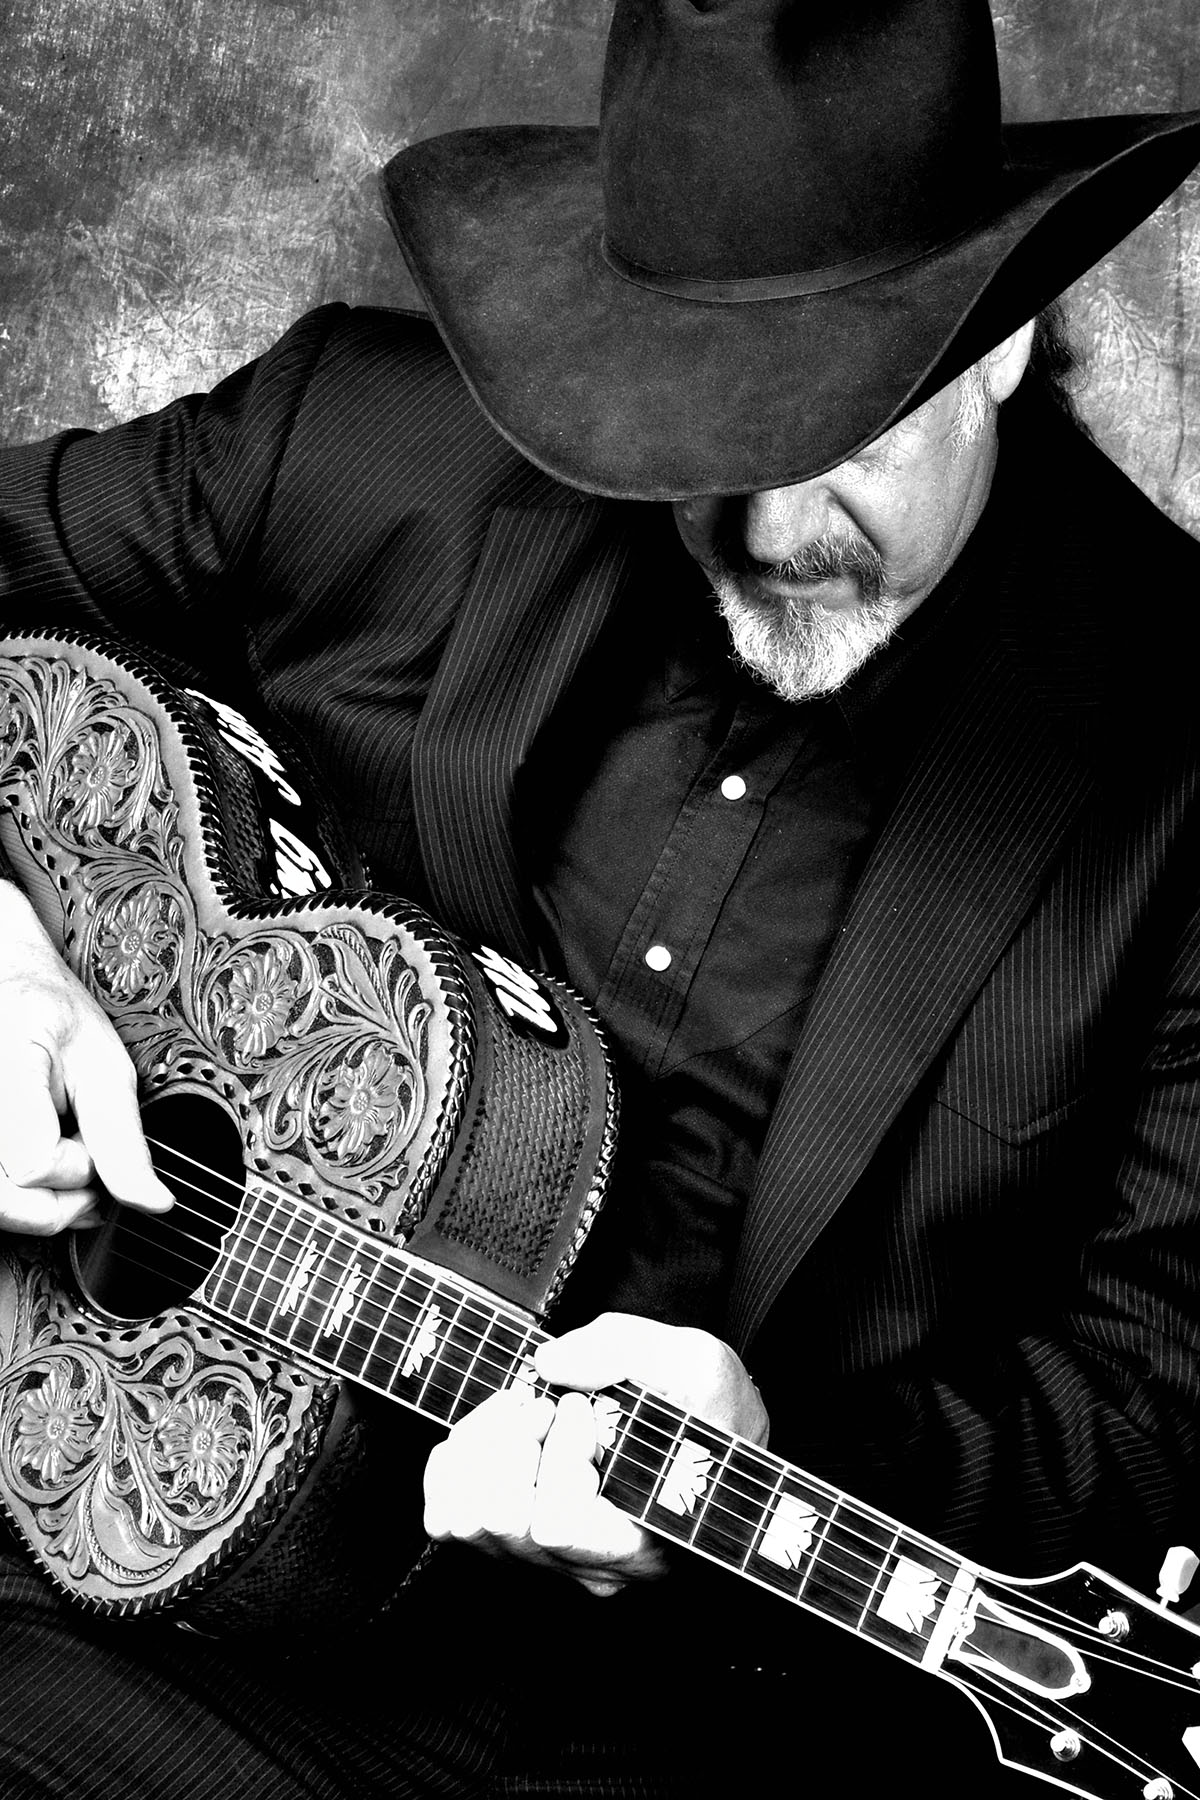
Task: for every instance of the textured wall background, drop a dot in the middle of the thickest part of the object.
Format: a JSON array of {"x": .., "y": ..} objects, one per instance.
[{"x": 180, "y": 178}]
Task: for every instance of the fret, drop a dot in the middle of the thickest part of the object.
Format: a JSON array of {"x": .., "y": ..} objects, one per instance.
[
  {"x": 502, "y": 1349},
  {"x": 523, "y": 1370},
  {"x": 362, "y": 1321},
  {"x": 726, "y": 1527},
  {"x": 370, "y": 1312},
  {"x": 387, "y": 1291},
  {"x": 299, "y": 1301},
  {"x": 344, "y": 1278},
  {"x": 272, "y": 1256},
  {"x": 222, "y": 1284},
  {"x": 233, "y": 1284},
  {"x": 916, "y": 1581},
  {"x": 844, "y": 1562},
  {"x": 680, "y": 1479},
  {"x": 451, "y": 1359},
  {"x": 415, "y": 1356},
  {"x": 469, "y": 1376},
  {"x": 628, "y": 1477},
  {"x": 693, "y": 1502},
  {"x": 306, "y": 1282},
  {"x": 660, "y": 1466},
  {"x": 820, "y": 1538},
  {"x": 882, "y": 1570},
  {"x": 792, "y": 1523},
  {"x": 615, "y": 1414}
]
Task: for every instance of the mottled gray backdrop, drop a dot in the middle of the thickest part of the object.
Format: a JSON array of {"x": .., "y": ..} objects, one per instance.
[{"x": 180, "y": 178}]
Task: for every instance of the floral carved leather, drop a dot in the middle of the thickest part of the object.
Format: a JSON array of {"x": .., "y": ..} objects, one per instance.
[{"x": 325, "y": 1076}]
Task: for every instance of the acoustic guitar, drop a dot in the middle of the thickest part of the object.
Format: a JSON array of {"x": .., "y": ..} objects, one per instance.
[{"x": 386, "y": 1151}]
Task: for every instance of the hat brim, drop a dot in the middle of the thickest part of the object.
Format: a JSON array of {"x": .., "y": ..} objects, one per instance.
[{"x": 636, "y": 394}]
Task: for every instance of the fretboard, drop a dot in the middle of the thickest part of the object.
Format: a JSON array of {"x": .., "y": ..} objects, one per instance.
[{"x": 406, "y": 1329}]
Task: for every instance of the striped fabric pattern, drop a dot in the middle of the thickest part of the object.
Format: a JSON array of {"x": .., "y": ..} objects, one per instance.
[{"x": 968, "y": 1278}]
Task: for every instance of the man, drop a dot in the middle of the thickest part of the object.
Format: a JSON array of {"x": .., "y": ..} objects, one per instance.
[{"x": 893, "y": 928}]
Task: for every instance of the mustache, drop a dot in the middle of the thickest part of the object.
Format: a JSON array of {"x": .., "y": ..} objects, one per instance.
[{"x": 833, "y": 556}]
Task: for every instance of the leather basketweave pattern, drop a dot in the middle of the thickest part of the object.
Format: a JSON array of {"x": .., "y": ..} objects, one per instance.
[
  {"x": 523, "y": 1151},
  {"x": 372, "y": 1078}
]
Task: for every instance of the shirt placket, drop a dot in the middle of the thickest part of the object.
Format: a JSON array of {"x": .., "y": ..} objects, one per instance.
[{"x": 659, "y": 952}]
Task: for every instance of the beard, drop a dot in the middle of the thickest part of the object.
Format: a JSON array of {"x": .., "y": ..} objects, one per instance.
[{"x": 793, "y": 643}]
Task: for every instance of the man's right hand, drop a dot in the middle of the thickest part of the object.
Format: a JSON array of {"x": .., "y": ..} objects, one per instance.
[{"x": 60, "y": 1058}]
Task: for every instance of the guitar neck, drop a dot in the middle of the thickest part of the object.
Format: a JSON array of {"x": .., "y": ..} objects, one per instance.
[{"x": 438, "y": 1345}]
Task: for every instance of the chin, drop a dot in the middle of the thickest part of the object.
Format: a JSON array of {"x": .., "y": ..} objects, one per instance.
[{"x": 803, "y": 648}]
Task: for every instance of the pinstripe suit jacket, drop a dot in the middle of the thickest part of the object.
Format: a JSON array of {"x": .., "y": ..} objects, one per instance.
[{"x": 968, "y": 1277}]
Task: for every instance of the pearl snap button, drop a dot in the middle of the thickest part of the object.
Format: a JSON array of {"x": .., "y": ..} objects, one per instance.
[
  {"x": 733, "y": 787},
  {"x": 658, "y": 957}
]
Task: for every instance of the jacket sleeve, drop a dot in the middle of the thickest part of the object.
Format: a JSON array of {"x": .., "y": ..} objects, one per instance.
[{"x": 150, "y": 530}]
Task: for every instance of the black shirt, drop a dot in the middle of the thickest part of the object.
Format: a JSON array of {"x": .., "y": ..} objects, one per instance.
[{"x": 697, "y": 841}]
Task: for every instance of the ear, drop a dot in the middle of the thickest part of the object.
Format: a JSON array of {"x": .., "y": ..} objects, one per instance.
[{"x": 1004, "y": 366}]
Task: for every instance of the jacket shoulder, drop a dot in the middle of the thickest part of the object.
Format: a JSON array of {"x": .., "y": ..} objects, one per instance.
[{"x": 384, "y": 397}]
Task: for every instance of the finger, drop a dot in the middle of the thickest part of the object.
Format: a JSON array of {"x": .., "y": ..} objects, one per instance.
[
  {"x": 110, "y": 1125},
  {"x": 42, "y": 1212},
  {"x": 691, "y": 1368},
  {"x": 568, "y": 1456},
  {"x": 33, "y": 1152},
  {"x": 569, "y": 1516},
  {"x": 613, "y": 1347},
  {"x": 479, "y": 1481}
]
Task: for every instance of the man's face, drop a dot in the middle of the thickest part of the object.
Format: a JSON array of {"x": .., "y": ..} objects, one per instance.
[{"x": 811, "y": 579}]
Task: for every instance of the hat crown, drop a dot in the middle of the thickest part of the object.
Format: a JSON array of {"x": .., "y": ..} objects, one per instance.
[{"x": 749, "y": 140}]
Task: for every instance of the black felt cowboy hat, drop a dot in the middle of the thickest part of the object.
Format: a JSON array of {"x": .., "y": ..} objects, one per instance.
[{"x": 795, "y": 222}]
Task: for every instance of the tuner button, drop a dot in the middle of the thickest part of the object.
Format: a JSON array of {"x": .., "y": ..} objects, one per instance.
[
  {"x": 1179, "y": 1565},
  {"x": 1066, "y": 1745},
  {"x": 1115, "y": 1625},
  {"x": 1159, "y": 1789}
]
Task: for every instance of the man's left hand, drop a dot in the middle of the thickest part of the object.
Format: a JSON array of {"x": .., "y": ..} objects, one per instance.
[{"x": 517, "y": 1477}]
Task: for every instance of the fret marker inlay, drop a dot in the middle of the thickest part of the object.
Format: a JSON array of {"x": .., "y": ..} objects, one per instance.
[
  {"x": 686, "y": 1480},
  {"x": 424, "y": 1339},
  {"x": 910, "y": 1596},
  {"x": 298, "y": 1280},
  {"x": 345, "y": 1301},
  {"x": 789, "y": 1534}
]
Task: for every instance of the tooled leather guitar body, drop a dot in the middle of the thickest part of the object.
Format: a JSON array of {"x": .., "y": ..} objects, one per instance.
[{"x": 338, "y": 1048}]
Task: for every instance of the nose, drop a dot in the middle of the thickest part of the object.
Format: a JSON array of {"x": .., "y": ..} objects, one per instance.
[{"x": 779, "y": 521}]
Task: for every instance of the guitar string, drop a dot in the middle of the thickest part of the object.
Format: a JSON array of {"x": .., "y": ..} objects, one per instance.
[
  {"x": 1026, "y": 1709},
  {"x": 641, "y": 1440},
  {"x": 819, "y": 1576},
  {"x": 1030, "y": 1712},
  {"x": 1036, "y": 1608},
  {"x": 999, "y": 1690},
  {"x": 1094, "y": 1736}
]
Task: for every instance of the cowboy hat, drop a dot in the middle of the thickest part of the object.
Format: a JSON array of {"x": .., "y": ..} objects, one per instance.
[{"x": 794, "y": 223}]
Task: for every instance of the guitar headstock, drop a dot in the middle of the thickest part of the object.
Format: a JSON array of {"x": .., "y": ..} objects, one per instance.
[{"x": 1085, "y": 1683}]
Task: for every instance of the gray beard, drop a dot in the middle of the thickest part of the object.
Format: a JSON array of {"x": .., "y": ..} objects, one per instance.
[{"x": 797, "y": 646}]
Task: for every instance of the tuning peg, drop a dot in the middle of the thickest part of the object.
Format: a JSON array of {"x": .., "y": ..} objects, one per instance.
[{"x": 1179, "y": 1565}]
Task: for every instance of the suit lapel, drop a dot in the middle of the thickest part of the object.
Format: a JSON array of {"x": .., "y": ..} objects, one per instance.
[
  {"x": 955, "y": 869},
  {"x": 538, "y": 600}
]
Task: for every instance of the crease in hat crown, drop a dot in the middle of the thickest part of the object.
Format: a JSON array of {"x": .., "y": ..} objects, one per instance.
[{"x": 792, "y": 148}]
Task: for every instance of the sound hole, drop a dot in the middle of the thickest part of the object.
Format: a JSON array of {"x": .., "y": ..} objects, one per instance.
[{"x": 135, "y": 1264}]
